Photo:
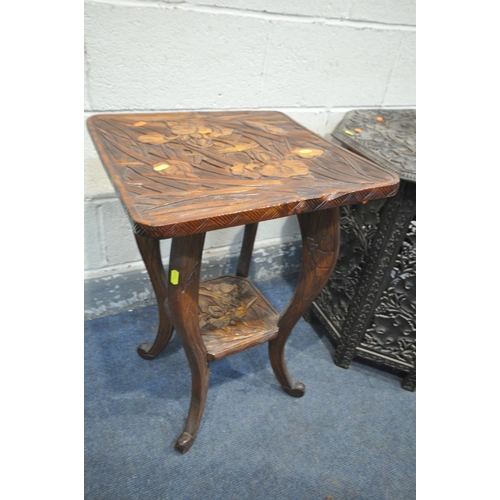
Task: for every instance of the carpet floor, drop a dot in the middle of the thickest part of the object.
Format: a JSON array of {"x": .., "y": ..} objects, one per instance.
[{"x": 352, "y": 435}]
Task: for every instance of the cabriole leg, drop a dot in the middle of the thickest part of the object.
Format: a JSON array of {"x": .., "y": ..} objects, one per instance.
[
  {"x": 151, "y": 255},
  {"x": 320, "y": 247},
  {"x": 183, "y": 289}
]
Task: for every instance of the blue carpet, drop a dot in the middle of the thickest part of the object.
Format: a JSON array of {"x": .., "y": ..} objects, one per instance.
[{"x": 352, "y": 435}]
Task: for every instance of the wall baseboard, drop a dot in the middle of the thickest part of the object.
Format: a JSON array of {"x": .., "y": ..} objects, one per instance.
[{"x": 125, "y": 291}]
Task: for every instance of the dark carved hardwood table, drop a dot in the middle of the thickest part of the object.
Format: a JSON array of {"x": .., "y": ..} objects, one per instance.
[
  {"x": 179, "y": 175},
  {"x": 369, "y": 303}
]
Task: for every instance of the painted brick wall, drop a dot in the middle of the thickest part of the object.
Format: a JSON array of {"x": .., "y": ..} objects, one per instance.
[{"x": 314, "y": 60}]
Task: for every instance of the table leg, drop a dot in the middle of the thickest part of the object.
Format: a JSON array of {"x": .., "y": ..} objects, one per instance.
[
  {"x": 410, "y": 380},
  {"x": 246, "y": 250},
  {"x": 183, "y": 290},
  {"x": 320, "y": 247},
  {"x": 151, "y": 255}
]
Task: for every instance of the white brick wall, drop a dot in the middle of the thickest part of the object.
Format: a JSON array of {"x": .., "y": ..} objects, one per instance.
[{"x": 313, "y": 60}]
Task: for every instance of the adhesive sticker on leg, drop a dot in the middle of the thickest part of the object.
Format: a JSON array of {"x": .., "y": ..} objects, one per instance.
[{"x": 174, "y": 277}]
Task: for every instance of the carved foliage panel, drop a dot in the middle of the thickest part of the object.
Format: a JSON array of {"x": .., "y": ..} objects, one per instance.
[
  {"x": 174, "y": 168},
  {"x": 393, "y": 329},
  {"x": 358, "y": 225}
]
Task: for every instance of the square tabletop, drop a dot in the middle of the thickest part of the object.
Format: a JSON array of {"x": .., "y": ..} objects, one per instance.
[{"x": 191, "y": 172}]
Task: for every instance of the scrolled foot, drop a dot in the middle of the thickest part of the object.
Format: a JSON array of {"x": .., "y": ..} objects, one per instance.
[
  {"x": 297, "y": 391},
  {"x": 144, "y": 351},
  {"x": 184, "y": 442}
]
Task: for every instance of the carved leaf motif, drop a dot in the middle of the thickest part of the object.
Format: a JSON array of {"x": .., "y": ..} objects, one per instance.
[
  {"x": 298, "y": 167},
  {"x": 283, "y": 170},
  {"x": 245, "y": 146},
  {"x": 220, "y": 322},
  {"x": 262, "y": 157},
  {"x": 240, "y": 312},
  {"x": 267, "y": 127},
  {"x": 221, "y": 131}
]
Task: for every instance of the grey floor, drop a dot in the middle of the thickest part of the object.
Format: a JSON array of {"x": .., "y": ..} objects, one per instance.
[{"x": 352, "y": 435}]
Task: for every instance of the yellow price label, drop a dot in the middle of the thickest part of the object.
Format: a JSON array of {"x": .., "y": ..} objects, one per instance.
[{"x": 174, "y": 277}]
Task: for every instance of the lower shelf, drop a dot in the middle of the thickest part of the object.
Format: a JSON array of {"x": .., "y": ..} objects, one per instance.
[{"x": 234, "y": 316}]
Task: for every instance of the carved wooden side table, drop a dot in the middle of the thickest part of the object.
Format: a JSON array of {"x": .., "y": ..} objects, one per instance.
[
  {"x": 369, "y": 303},
  {"x": 180, "y": 175}
]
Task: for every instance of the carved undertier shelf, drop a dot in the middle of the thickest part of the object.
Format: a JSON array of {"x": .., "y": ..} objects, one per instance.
[{"x": 234, "y": 316}]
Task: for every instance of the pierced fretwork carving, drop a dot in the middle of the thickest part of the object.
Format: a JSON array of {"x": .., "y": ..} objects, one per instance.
[{"x": 369, "y": 303}]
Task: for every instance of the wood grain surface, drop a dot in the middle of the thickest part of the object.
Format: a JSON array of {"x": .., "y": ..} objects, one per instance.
[{"x": 187, "y": 173}]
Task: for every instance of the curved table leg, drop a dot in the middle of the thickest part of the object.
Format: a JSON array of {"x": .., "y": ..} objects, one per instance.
[
  {"x": 246, "y": 250},
  {"x": 320, "y": 247},
  {"x": 185, "y": 258},
  {"x": 151, "y": 255}
]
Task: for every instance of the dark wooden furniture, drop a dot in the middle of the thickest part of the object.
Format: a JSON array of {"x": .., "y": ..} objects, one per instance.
[
  {"x": 369, "y": 303},
  {"x": 180, "y": 175}
]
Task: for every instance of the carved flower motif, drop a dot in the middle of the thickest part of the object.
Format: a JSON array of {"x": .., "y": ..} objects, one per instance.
[
  {"x": 284, "y": 169},
  {"x": 184, "y": 129},
  {"x": 224, "y": 288},
  {"x": 242, "y": 146},
  {"x": 153, "y": 138},
  {"x": 198, "y": 135}
]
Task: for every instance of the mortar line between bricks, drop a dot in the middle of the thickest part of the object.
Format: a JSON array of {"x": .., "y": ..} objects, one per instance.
[
  {"x": 396, "y": 59},
  {"x": 101, "y": 197},
  {"x": 101, "y": 236},
  {"x": 297, "y": 18},
  {"x": 86, "y": 74},
  {"x": 266, "y": 60},
  {"x": 284, "y": 109}
]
